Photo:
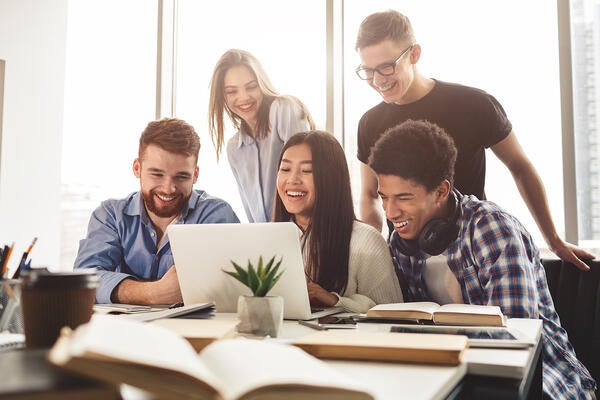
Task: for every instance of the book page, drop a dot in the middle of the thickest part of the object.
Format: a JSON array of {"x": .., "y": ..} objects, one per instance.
[
  {"x": 247, "y": 364},
  {"x": 418, "y": 309},
  {"x": 118, "y": 339},
  {"x": 155, "y": 314},
  {"x": 470, "y": 309},
  {"x": 121, "y": 308}
]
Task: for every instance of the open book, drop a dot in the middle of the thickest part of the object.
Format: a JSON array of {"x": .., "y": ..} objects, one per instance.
[
  {"x": 155, "y": 359},
  {"x": 448, "y": 314},
  {"x": 385, "y": 346}
]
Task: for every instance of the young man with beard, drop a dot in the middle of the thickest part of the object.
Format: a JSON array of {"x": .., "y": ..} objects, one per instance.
[
  {"x": 389, "y": 55},
  {"x": 454, "y": 248},
  {"x": 126, "y": 241}
]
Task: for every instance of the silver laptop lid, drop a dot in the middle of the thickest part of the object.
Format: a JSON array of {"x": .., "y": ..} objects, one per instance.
[{"x": 202, "y": 251}]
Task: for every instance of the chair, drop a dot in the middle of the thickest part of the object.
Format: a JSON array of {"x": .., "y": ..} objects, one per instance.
[{"x": 576, "y": 296}]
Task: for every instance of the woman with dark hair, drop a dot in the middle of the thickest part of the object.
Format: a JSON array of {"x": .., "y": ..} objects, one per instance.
[
  {"x": 348, "y": 263},
  {"x": 264, "y": 120}
]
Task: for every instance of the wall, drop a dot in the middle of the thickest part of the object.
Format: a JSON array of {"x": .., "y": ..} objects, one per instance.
[{"x": 32, "y": 41}]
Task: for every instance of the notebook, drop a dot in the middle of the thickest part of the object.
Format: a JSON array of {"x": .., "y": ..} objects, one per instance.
[
  {"x": 11, "y": 341},
  {"x": 202, "y": 251}
]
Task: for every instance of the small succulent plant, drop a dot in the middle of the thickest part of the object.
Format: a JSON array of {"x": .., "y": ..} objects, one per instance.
[{"x": 260, "y": 279}]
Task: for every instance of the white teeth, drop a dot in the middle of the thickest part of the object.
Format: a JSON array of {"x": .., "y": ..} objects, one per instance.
[
  {"x": 165, "y": 198},
  {"x": 295, "y": 194},
  {"x": 400, "y": 224}
]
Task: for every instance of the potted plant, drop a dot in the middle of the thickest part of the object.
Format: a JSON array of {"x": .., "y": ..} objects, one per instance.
[{"x": 259, "y": 314}]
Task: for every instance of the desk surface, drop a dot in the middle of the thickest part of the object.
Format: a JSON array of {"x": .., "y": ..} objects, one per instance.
[
  {"x": 396, "y": 380},
  {"x": 419, "y": 381},
  {"x": 425, "y": 382}
]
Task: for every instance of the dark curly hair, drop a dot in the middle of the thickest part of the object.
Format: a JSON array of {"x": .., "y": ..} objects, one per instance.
[{"x": 420, "y": 151}]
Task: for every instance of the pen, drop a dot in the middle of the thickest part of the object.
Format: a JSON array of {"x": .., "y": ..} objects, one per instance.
[
  {"x": 313, "y": 325},
  {"x": 23, "y": 262}
]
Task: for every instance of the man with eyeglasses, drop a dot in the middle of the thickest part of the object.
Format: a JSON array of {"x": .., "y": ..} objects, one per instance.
[{"x": 389, "y": 54}]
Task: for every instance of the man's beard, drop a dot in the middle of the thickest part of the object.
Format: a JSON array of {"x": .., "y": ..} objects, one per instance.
[{"x": 164, "y": 211}]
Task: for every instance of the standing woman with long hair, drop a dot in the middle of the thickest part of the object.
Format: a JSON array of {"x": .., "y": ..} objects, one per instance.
[
  {"x": 264, "y": 120},
  {"x": 348, "y": 263}
]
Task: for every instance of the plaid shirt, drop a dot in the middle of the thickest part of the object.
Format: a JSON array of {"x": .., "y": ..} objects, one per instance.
[{"x": 496, "y": 262}]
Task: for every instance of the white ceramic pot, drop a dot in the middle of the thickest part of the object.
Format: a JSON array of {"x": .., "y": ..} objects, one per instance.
[{"x": 260, "y": 316}]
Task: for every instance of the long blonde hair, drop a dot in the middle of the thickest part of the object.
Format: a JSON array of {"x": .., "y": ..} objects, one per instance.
[{"x": 217, "y": 104}]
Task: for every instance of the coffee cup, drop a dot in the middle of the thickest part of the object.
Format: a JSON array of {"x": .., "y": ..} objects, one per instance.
[{"x": 53, "y": 300}]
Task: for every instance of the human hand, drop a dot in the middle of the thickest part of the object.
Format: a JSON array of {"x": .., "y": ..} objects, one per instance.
[
  {"x": 166, "y": 289},
  {"x": 573, "y": 254},
  {"x": 319, "y": 296}
]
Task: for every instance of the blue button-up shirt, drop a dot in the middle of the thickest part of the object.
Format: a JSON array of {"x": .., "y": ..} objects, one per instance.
[
  {"x": 254, "y": 162},
  {"x": 496, "y": 262},
  {"x": 121, "y": 240}
]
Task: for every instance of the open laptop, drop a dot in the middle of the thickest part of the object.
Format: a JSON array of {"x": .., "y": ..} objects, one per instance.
[{"x": 202, "y": 251}]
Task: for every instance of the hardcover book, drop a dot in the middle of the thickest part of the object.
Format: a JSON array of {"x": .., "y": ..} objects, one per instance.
[
  {"x": 385, "y": 346},
  {"x": 447, "y": 314}
]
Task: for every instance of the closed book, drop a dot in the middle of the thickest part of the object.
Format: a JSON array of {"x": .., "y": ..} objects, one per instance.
[
  {"x": 200, "y": 332},
  {"x": 447, "y": 314},
  {"x": 385, "y": 346}
]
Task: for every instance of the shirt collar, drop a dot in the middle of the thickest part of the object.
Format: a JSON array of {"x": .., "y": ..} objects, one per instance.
[{"x": 243, "y": 139}]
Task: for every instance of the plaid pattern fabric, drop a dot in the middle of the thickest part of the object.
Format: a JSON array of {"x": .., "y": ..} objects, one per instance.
[{"x": 496, "y": 262}]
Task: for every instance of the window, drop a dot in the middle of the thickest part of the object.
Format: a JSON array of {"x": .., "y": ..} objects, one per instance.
[
  {"x": 585, "y": 42},
  {"x": 109, "y": 98},
  {"x": 111, "y": 87},
  {"x": 288, "y": 40},
  {"x": 468, "y": 42}
]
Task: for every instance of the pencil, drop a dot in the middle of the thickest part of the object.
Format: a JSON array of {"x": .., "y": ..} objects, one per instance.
[
  {"x": 7, "y": 253},
  {"x": 31, "y": 245},
  {"x": 2, "y": 261},
  {"x": 23, "y": 261}
]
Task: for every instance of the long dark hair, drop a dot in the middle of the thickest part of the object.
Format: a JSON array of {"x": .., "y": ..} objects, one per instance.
[{"x": 330, "y": 229}]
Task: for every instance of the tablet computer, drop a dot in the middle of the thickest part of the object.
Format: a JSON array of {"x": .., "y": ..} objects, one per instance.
[{"x": 477, "y": 336}]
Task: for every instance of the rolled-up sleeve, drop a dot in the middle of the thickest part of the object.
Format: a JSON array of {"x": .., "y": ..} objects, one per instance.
[{"x": 102, "y": 250}]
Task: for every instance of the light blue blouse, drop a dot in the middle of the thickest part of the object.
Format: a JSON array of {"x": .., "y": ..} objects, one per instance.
[
  {"x": 254, "y": 162},
  {"x": 121, "y": 241}
]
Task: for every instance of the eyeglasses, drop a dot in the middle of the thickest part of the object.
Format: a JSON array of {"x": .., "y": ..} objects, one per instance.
[{"x": 386, "y": 69}]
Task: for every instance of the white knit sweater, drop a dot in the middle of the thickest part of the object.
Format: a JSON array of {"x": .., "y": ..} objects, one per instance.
[{"x": 371, "y": 276}]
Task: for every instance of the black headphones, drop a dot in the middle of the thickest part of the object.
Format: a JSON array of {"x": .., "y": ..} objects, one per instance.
[{"x": 435, "y": 236}]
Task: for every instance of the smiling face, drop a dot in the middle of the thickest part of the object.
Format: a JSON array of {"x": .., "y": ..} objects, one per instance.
[
  {"x": 409, "y": 205},
  {"x": 243, "y": 95},
  {"x": 295, "y": 184},
  {"x": 395, "y": 88},
  {"x": 166, "y": 181}
]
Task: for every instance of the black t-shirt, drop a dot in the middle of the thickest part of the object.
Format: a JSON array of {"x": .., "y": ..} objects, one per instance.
[{"x": 473, "y": 118}]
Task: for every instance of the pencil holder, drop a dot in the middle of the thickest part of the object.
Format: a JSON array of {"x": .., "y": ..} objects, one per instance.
[{"x": 11, "y": 316}]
